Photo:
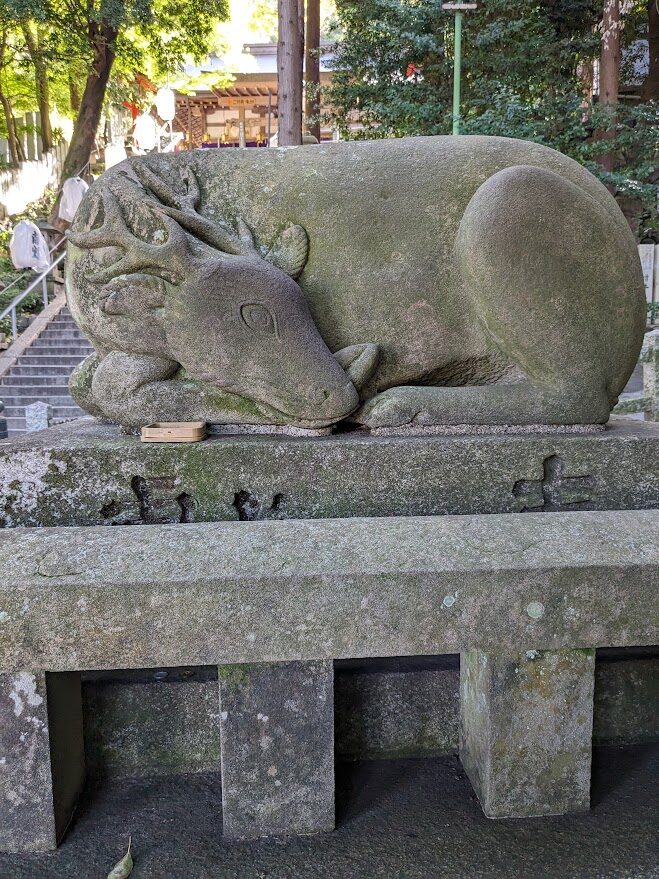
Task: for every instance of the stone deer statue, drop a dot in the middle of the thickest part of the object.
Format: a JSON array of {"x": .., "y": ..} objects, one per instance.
[
  {"x": 420, "y": 281},
  {"x": 219, "y": 333}
]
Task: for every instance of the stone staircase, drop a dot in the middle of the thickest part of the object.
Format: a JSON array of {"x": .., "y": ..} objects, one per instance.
[{"x": 41, "y": 374}]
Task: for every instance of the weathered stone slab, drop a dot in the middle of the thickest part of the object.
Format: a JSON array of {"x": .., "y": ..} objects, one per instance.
[
  {"x": 41, "y": 758},
  {"x": 277, "y": 741},
  {"x": 83, "y": 473},
  {"x": 526, "y": 730},
  {"x": 165, "y": 595}
]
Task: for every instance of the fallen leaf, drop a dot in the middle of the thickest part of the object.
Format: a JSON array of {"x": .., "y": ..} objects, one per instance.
[{"x": 123, "y": 868}]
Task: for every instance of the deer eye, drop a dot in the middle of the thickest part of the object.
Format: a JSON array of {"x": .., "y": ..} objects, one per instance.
[{"x": 259, "y": 318}]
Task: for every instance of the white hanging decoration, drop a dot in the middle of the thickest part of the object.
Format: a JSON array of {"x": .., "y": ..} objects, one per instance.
[
  {"x": 73, "y": 190},
  {"x": 28, "y": 248},
  {"x": 166, "y": 104},
  {"x": 145, "y": 132},
  {"x": 114, "y": 153}
]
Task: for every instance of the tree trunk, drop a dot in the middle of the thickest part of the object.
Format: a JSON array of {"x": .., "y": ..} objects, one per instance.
[
  {"x": 89, "y": 115},
  {"x": 610, "y": 53},
  {"x": 289, "y": 74},
  {"x": 312, "y": 69},
  {"x": 609, "y": 68},
  {"x": 11, "y": 132},
  {"x": 15, "y": 148},
  {"x": 20, "y": 149},
  {"x": 650, "y": 90},
  {"x": 74, "y": 92},
  {"x": 42, "y": 88}
]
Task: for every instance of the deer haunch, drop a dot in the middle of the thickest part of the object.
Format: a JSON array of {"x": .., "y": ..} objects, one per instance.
[{"x": 456, "y": 280}]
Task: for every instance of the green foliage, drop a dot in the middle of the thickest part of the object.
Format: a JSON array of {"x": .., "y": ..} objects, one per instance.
[
  {"x": 164, "y": 31},
  {"x": 524, "y": 68}
]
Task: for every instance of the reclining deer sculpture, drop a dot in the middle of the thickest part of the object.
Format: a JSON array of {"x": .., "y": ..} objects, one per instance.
[{"x": 458, "y": 281}]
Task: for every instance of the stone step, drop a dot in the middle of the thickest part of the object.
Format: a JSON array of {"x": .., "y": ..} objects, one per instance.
[
  {"x": 15, "y": 425},
  {"x": 76, "y": 344},
  {"x": 57, "y": 401},
  {"x": 42, "y": 374},
  {"x": 34, "y": 379},
  {"x": 57, "y": 350},
  {"x": 35, "y": 369},
  {"x": 60, "y": 359},
  {"x": 63, "y": 333},
  {"x": 61, "y": 339},
  {"x": 16, "y": 415}
]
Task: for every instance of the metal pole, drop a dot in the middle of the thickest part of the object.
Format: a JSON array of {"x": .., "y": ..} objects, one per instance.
[
  {"x": 242, "y": 137},
  {"x": 269, "y": 115},
  {"x": 14, "y": 328},
  {"x": 457, "y": 64},
  {"x": 44, "y": 291}
]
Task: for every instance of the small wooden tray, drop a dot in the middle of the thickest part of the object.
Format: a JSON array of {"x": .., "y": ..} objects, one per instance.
[{"x": 174, "y": 432}]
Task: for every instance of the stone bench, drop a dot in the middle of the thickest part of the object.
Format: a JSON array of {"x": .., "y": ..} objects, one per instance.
[{"x": 524, "y": 598}]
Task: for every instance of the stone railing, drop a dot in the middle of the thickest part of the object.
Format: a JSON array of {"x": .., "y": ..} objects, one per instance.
[{"x": 525, "y": 599}]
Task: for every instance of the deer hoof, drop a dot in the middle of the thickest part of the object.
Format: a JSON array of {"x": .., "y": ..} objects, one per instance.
[{"x": 391, "y": 408}]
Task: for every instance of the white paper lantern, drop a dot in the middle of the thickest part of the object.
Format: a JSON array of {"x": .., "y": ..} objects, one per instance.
[
  {"x": 145, "y": 133},
  {"x": 114, "y": 153},
  {"x": 166, "y": 104},
  {"x": 28, "y": 248},
  {"x": 73, "y": 190}
]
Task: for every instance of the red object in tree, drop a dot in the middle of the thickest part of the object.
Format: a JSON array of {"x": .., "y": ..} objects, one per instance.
[
  {"x": 412, "y": 70},
  {"x": 134, "y": 109},
  {"x": 145, "y": 83}
]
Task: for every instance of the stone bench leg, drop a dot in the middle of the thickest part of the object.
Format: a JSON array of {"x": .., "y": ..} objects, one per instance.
[
  {"x": 277, "y": 748},
  {"x": 41, "y": 758},
  {"x": 526, "y": 730}
]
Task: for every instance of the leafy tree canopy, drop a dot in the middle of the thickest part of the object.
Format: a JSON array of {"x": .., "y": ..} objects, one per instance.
[
  {"x": 164, "y": 31},
  {"x": 527, "y": 72}
]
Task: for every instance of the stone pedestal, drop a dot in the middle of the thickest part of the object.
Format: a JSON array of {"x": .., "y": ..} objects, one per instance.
[
  {"x": 41, "y": 758},
  {"x": 516, "y": 712},
  {"x": 526, "y": 730},
  {"x": 84, "y": 473},
  {"x": 277, "y": 748}
]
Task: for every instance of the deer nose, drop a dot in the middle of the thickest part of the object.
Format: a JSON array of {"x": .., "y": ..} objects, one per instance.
[{"x": 332, "y": 403}]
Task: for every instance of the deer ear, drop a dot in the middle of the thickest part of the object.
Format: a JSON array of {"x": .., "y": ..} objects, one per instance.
[
  {"x": 245, "y": 235},
  {"x": 359, "y": 362},
  {"x": 290, "y": 251}
]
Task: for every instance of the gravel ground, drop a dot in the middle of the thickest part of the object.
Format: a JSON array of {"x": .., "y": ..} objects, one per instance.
[{"x": 403, "y": 819}]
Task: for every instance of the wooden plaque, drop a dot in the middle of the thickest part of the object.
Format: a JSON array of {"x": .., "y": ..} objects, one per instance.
[{"x": 174, "y": 432}]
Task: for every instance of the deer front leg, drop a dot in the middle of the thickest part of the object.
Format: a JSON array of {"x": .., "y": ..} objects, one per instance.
[
  {"x": 499, "y": 404},
  {"x": 138, "y": 389},
  {"x": 80, "y": 385}
]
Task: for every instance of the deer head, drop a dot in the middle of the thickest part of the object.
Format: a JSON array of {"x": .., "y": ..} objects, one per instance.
[{"x": 205, "y": 295}]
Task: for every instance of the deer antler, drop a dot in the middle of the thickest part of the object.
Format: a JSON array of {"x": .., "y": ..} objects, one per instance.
[
  {"x": 139, "y": 255},
  {"x": 183, "y": 207}
]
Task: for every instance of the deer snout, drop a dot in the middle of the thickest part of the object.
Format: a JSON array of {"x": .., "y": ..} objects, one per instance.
[
  {"x": 317, "y": 405},
  {"x": 333, "y": 403}
]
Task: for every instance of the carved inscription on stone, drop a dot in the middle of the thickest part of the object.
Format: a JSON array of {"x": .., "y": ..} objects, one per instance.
[{"x": 555, "y": 491}]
